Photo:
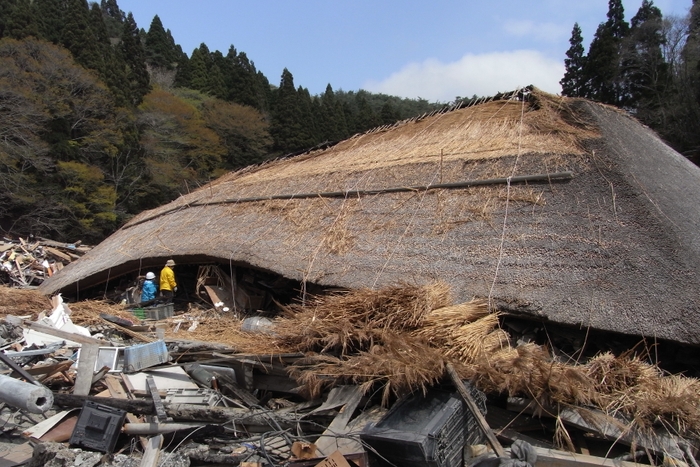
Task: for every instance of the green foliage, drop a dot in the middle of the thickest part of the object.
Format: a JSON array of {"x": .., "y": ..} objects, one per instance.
[
  {"x": 602, "y": 70},
  {"x": 573, "y": 84},
  {"x": 242, "y": 130},
  {"x": 21, "y": 20},
  {"x": 134, "y": 58},
  {"x": 160, "y": 48},
  {"x": 180, "y": 151},
  {"x": 43, "y": 89},
  {"x": 105, "y": 119}
]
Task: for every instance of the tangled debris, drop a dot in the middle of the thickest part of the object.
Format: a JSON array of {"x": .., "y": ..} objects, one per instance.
[
  {"x": 26, "y": 263},
  {"x": 326, "y": 382}
]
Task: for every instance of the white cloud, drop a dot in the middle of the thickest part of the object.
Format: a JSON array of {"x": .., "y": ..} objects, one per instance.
[
  {"x": 547, "y": 32},
  {"x": 483, "y": 75}
]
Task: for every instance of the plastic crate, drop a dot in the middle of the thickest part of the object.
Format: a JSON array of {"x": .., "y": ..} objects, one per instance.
[
  {"x": 138, "y": 357},
  {"x": 159, "y": 312},
  {"x": 427, "y": 431},
  {"x": 98, "y": 427}
]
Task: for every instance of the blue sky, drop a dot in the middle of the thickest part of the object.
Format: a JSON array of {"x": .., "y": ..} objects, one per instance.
[{"x": 435, "y": 49}]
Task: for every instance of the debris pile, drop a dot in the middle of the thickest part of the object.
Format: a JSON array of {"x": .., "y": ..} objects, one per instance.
[
  {"x": 397, "y": 376},
  {"x": 26, "y": 263}
]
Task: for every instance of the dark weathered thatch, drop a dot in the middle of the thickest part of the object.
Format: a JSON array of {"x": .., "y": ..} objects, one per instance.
[{"x": 616, "y": 247}]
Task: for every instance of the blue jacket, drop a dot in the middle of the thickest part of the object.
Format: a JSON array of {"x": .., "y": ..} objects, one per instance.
[{"x": 148, "y": 291}]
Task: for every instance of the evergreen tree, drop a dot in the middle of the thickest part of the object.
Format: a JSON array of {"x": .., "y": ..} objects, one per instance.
[
  {"x": 160, "y": 47},
  {"x": 113, "y": 72},
  {"x": 366, "y": 117},
  {"x": 308, "y": 135},
  {"x": 21, "y": 21},
  {"x": 215, "y": 83},
  {"x": 114, "y": 18},
  {"x": 645, "y": 70},
  {"x": 329, "y": 127},
  {"x": 286, "y": 125},
  {"x": 183, "y": 77},
  {"x": 78, "y": 37},
  {"x": 602, "y": 69},
  {"x": 50, "y": 19},
  {"x": 242, "y": 80},
  {"x": 388, "y": 114},
  {"x": 199, "y": 73},
  {"x": 134, "y": 56},
  {"x": 5, "y": 10},
  {"x": 573, "y": 83}
]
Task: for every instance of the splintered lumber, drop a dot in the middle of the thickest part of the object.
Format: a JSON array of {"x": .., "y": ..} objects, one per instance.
[
  {"x": 612, "y": 428},
  {"x": 471, "y": 405},
  {"x": 152, "y": 453},
  {"x": 349, "y": 397},
  {"x": 232, "y": 386},
  {"x": 58, "y": 254},
  {"x": 257, "y": 421},
  {"x": 555, "y": 458}
]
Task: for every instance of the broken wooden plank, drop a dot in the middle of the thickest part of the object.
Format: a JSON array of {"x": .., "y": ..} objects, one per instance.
[
  {"x": 471, "y": 405},
  {"x": 556, "y": 458},
  {"x": 152, "y": 453},
  {"x": 157, "y": 402},
  {"x": 610, "y": 428},
  {"x": 71, "y": 336},
  {"x": 99, "y": 374},
  {"x": 232, "y": 386},
  {"x": 18, "y": 369},
  {"x": 57, "y": 254},
  {"x": 86, "y": 367},
  {"x": 350, "y": 397}
]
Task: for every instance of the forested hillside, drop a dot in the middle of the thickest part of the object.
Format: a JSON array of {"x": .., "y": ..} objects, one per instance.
[
  {"x": 101, "y": 118},
  {"x": 649, "y": 67}
]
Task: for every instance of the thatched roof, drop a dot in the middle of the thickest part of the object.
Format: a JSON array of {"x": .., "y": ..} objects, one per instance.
[{"x": 615, "y": 247}]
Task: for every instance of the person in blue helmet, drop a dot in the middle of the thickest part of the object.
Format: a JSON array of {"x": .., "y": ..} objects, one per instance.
[{"x": 149, "y": 288}]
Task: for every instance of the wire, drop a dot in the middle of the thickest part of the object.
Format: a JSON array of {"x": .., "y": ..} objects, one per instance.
[{"x": 505, "y": 215}]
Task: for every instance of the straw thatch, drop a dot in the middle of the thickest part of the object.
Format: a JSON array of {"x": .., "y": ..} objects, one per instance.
[
  {"x": 398, "y": 358},
  {"x": 616, "y": 248},
  {"x": 22, "y": 302}
]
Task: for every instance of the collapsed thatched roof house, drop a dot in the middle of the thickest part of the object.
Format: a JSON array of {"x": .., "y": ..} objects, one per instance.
[{"x": 614, "y": 245}]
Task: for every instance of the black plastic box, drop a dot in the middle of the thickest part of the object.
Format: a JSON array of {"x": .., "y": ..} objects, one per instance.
[
  {"x": 98, "y": 427},
  {"x": 426, "y": 431}
]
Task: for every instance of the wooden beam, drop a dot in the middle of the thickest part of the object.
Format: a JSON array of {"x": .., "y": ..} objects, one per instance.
[
  {"x": 157, "y": 403},
  {"x": 70, "y": 336},
  {"x": 611, "y": 428},
  {"x": 471, "y": 405},
  {"x": 86, "y": 369},
  {"x": 555, "y": 458}
]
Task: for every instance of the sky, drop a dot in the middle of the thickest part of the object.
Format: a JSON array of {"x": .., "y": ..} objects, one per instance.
[{"x": 435, "y": 50}]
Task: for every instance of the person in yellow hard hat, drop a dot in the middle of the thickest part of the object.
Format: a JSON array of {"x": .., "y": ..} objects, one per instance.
[{"x": 168, "y": 286}]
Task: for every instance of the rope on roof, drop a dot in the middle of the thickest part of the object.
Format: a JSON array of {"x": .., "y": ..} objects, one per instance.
[{"x": 546, "y": 177}]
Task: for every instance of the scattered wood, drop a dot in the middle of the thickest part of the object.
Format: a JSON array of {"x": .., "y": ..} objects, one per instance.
[{"x": 30, "y": 263}]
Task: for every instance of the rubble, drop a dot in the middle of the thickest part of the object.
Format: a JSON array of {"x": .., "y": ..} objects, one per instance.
[
  {"x": 396, "y": 376},
  {"x": 26, "y": 263}
]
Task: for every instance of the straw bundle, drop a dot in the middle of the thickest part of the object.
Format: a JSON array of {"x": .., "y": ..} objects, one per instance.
[
  {"x": 352, "y": 322},
  {"x": 400, "y": 365},
  {"x": 21, "y": 302},
  {"x": 466, "y": 331},
  {"x": 87, "y": 313}
]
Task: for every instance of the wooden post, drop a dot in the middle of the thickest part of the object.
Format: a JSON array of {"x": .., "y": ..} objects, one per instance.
[{"x": 464, "y": 392}]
